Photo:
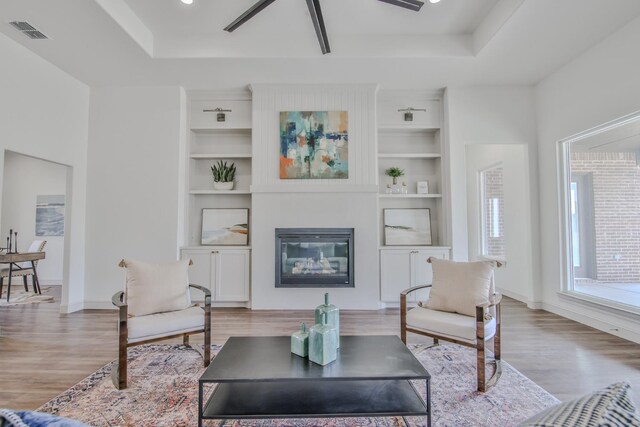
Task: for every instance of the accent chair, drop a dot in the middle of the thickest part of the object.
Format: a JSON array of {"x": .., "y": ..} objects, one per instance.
[
  {"x": 156, "y": 305},
  {"x": 463, "y": 308}
]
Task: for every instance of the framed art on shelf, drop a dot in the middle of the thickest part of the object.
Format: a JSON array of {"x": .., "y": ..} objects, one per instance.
[
  {"x": 407, "y": 227},
  {"x": 225, "y": 227}
]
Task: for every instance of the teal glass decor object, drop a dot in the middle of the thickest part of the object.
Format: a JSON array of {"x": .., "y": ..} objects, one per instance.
[
  {"x": 300, "y": 341},
  {"x": 322, "y": 342},
  {"x": 333, "y": 316}
]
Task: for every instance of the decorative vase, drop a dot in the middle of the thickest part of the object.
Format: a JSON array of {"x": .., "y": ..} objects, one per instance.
[
  {"x": 323, "y": 342},
  {"x": 223, "y": 186},
  {"x": 333, "y": 316},
  {"x": 395, "y": 180},
  {"x": 300, "y": 341}
]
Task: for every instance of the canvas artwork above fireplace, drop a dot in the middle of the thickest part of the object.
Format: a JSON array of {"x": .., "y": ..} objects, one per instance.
[{"x": 314, "y": 258}]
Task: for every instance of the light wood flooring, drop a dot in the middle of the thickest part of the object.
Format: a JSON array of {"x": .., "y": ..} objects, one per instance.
[{"x": 43, "y": 353}]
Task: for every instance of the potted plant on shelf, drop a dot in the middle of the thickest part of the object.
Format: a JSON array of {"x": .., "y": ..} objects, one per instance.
[
  {"x": 395, "y": 173},
  {"x": 223, "y": 175}
]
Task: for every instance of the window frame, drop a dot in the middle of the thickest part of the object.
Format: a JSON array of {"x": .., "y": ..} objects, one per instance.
[{"x": 563, "y": 155}]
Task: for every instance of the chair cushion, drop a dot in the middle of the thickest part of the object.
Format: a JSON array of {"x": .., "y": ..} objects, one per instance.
[
  {"x": 611, "y": 407},
  {"x": 458, "y": 287},
  {"x": 157, "y": 287},
  {"x": 151, "y": 326},
  {"x": 451, "y": 325}
]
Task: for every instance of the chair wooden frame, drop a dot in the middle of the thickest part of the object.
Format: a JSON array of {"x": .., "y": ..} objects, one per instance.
[
  {"x": 480, "y": 344},
  {"x": 119, "y": 370}
]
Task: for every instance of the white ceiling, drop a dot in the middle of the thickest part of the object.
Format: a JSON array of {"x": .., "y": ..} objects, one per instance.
[{"x": 455, "y": 42}]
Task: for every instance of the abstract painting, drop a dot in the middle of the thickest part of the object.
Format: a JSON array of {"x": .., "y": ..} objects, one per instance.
[
  {"x": 225, "y": 226},
  {"x": 314, "y": 145},
  {"x": 407, "y": 227},
  {"x": 50, "y": 215}
]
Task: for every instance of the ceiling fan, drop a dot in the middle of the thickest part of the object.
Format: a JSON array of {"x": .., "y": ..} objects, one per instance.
[{"x": 316, "y": 16}]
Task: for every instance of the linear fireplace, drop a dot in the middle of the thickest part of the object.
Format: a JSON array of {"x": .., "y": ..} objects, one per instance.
[{"x": 314, "y": 258}]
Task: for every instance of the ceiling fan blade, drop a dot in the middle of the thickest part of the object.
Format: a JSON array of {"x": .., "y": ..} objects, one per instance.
[
  {"x": 250, "y": 13},
  {"x": 318, "y": 24},
  {"x": 407, "y": 4}
]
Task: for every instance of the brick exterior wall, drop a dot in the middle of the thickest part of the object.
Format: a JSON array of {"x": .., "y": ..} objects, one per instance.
[
  {"x": 616, "y": 199},
  {"x": 493, "y": 189}
]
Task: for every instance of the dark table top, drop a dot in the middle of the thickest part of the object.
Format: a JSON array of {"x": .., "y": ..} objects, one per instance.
[{"x": 270, "y": 359}]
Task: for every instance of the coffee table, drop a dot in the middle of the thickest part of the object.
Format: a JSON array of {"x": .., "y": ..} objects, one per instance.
[{"x": 259, "y": 377}]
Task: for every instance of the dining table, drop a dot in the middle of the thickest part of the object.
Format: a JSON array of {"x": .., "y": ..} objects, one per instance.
[{"x": 15, "y": 260}]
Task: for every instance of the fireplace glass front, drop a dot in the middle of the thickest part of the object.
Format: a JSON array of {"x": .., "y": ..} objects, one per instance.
[{"x": 314, "y": 257}]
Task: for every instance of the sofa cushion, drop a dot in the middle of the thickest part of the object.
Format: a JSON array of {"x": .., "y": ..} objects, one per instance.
[
  {"x": 156, "y": 287},
  {"x": 152, "y": 326},
  {"x": 611, "y": 407},
  {"x": 458, "y": 287},
  {"x": 451, "y": 325}
]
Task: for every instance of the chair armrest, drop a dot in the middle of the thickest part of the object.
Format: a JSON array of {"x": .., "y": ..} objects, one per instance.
[
  {"x": 415, "y": 288},
  {"x": 495, "y": 300},
  {"x": 482, "y": 308},
  {"x": 207, "y": 294},
  {"x": 118, "y": 300}
]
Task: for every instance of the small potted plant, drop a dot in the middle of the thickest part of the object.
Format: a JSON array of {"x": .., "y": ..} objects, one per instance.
[
  {"x": 223, "y": 175},
  {"x": 395, "y": 173}
]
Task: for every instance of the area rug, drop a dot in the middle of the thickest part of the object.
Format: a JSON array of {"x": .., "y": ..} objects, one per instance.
[
  {"x": 163, "y": 391},
  {"x": 20, "y": 296}
]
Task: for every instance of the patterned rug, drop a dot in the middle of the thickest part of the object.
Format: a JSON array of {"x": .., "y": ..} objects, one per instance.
[
  {"x": 20, "y": 296},
  {"x": 163, "y": 391}
]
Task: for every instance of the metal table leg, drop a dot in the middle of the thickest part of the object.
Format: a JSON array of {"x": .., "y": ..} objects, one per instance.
[
  {"x": 9, "y": 281},
  {"x": 36, "y": 281}
]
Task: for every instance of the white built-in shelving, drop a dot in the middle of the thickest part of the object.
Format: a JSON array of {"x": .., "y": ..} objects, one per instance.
[
  {"x": 417, "y": 147},
  {"x": 211, "y": 141}
]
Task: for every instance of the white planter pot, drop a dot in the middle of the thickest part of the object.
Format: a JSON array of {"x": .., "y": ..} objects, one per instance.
[{"x": 223, "y": 186}]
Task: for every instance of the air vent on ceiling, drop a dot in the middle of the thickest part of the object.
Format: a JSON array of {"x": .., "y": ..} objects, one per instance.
[{"x": 27, "y": 29}]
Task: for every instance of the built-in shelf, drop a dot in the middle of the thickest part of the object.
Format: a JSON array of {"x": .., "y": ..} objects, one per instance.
[
  {"x": 227, "y": 193},
  {"x": 407, "y": 128},
  {"x": 412, "y": 247},
  {"x": 215, "y": 247},
  {"x": 221, "y": 156},
  {"x": 410, "y": 196},
  {"x": 203, "y": 129},
  {"x": 409, "y": 155}
]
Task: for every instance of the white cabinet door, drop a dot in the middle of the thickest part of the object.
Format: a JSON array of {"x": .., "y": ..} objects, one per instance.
[
  {"x": 230, "y": 269},
  {"x": 395, "y": 274},
  {"x": 421, "y": 270},
  {"x": 200, "y": 271}
]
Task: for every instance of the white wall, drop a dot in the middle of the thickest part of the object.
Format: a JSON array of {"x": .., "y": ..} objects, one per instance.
[
  {"x": 600, "y": 85},
  {"x": 24, "y": 179},
  {"x": 44, "y": 114},
  {"x": 350, "y": 203},
  {"x": 133, "y": 182},
  {"x": 489, "y": 115}
]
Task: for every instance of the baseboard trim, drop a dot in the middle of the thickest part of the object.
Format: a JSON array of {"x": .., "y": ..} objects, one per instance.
[
  {"x": 71, "y": 308},
  {"x": 98, "y": 305},
  {"x": 534, "y": 305},
  {"x": 601, "y": 325},
  {"x": 49, "y": 282}
]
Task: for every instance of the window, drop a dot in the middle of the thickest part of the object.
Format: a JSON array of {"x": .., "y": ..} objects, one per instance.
[
  {"x": 492, "y": 212},
  {"x": 602, "y": 208}
]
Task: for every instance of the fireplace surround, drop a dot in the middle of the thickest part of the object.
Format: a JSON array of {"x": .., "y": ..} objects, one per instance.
[{"x": 314, "y": 258}]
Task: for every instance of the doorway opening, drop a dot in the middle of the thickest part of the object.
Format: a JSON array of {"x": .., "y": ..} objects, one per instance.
[{"x": 36, "y": 206}]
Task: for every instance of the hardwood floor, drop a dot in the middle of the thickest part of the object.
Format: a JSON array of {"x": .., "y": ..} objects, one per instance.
[{"x": 42, "y": 352}]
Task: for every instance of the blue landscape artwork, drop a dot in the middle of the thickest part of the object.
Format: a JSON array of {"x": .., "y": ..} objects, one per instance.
[
  {"x": 50, "y": 215},
  {"x": 314, "y": 145}
]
